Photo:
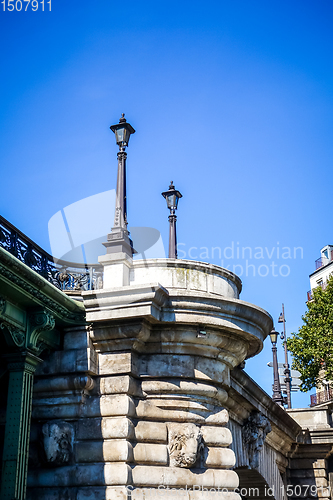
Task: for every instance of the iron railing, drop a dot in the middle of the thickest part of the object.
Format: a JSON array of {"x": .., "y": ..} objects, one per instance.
[
  {"x": 62, "y": 274},
  {"x": 323, "y": 261},
  {"x": 319, "y": 263},
  {"x": 310, "y": 292},
  {"x": 321, "y": 397}
]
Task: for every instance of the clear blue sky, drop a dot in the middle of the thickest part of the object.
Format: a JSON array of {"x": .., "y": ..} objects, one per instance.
[{"x": 231, "y": 100}]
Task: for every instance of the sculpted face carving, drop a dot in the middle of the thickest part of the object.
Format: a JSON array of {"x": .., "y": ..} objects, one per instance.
[
  {"x": 255, "y": 430},
  {"x": 184, "y": 444},
  {"x": 58, "y": 438}
]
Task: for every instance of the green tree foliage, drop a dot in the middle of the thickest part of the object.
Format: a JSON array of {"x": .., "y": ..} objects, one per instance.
[{"x": 312, "y": 346}]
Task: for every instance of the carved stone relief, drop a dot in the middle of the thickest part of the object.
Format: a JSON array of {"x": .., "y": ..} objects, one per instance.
[
  {"x": 58, "y": 442},
  {"x": 185, "y": 443},
  {"x": 13, "y": 334},
  {"x": 39, "y": 322},
  {"x": 255, "y": 430}
]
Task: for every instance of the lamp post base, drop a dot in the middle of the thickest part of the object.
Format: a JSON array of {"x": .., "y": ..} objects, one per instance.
[{"x": 118, "y": 259}]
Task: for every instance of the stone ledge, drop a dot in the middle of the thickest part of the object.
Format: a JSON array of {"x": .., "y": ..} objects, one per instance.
[
  {"x": 191, "y": 412},
  {"x": 104, "y": 406},
  {"x": 174, "y": 476},
  {"x": 82, "y": 475},
  {"x": 216, "y": 436},
  {"x": 127, "y": 493}
]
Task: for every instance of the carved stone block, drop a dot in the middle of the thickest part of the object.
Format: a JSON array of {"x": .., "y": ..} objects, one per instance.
[
  {"x": 255, "y": 430},
  {"x": 185, "y": 443},
  {"x": 58, "y": 439}
]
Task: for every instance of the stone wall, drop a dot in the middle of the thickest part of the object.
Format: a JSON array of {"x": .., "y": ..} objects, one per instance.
[
  {"x": 137, "y": 404},
  {"x": 310, "y": 468}
]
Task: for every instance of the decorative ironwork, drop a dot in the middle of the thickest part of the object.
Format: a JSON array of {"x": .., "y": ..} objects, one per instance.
[{"x": 62, "y": 274}]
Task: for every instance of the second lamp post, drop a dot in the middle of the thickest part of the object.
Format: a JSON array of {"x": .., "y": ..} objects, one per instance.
[
  {"x": 172, "y": 196},
  {"x": 287, "y": 374},
  {"x": 277, "y": 394}
]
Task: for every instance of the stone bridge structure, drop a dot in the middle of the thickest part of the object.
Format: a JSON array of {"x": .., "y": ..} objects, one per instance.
[
  {"x": 123, "y": 380},
  {"x": 135, "y": 390}
]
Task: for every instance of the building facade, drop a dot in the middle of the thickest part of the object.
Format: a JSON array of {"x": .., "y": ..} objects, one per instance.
[{"x": 324, "y": 269}]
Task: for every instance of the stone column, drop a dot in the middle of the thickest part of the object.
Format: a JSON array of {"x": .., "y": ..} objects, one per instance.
[
  {"x": 155, "y": 422},
  {"x": 17, "y": 431},
  {"x": 165, "y": 356}
]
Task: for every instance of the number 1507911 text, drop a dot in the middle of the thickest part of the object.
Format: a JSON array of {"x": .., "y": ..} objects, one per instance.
[{"x": 18, "y": 5}]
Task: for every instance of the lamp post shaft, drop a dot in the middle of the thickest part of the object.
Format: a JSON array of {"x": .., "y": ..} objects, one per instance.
[
  {"x": 120, "y": 216},
  {"x": 286, "y": 364},
  {"x": 277, "y": 395},
  {"x": 172, "y": 235}
]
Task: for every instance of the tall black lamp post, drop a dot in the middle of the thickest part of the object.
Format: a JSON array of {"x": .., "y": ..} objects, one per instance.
[
  {"x": 172, "y": 196},
  {"x": 118, "y": 239},
  {"x": 123, "y": 131},
  {"x": 277, "y": 395},
  {"x": 287, "y": 373}
]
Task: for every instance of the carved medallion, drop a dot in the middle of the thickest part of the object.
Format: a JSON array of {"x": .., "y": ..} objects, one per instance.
[{"x": 185, "y": 443}]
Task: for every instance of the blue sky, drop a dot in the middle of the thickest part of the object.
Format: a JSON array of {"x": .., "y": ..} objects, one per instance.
[{"x": 231, "y": 100}]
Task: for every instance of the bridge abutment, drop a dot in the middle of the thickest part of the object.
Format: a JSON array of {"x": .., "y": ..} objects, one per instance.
[{"x": 150, "y": 381}]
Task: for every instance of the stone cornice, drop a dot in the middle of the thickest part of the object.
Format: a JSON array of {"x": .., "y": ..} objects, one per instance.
[
  {"x": 35, "y": 289},
  {"x": 238, "y": 317},
  {"x": 242, "y": 325},
  {"x": 126, "y": 303},
  {"x": 245, "y": 395}
]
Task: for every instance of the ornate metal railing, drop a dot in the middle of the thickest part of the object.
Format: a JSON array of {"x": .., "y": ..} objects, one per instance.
[
  {"x": 321, "y": 397},
  {"x": 62, "y": 274}
]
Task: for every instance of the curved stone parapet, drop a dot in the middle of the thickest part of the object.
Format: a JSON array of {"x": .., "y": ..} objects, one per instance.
[
  {"x": 196, "y": 296},
  {"x": 189, "y": 275}
]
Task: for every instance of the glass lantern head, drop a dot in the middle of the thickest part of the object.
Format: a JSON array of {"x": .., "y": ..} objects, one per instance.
[
  {"x": 122, "y": 131},
  {"x": 172, "y": 197},
  {"x": 273, "y": 335}
]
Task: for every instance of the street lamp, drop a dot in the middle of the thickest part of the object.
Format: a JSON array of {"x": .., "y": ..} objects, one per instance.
[
  {"x": 122, "y": 131},
  {"x": 118, "y": 240},
  {"x": 277, "y": 395},
  {"x": 172, "y": 197},
  {"x": 287, "y": 379}
]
